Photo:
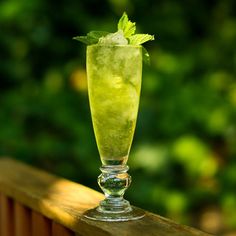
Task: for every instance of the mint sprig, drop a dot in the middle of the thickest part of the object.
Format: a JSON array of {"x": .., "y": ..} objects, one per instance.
[{"x": 125, "y": 32}]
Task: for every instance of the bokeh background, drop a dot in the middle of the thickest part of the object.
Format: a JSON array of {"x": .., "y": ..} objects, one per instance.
[{"x": 183, "y": 155}]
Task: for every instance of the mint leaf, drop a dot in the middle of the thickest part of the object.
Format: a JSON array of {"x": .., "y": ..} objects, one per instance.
[
  {"x": 97, "y": 34},
  {"x": 145, "y": 56},
  {"x": 92, "y": 37},
  {"x": 138, "y": 39},
  {"x": 85, "y": 39},
  {"x": 126, "y": 25}
]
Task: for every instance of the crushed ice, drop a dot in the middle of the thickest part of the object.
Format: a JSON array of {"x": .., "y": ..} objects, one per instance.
[{"x": 116, "y": 38}]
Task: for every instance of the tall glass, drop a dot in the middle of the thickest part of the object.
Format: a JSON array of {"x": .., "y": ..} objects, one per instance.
[{"x": 114, "y": 82}]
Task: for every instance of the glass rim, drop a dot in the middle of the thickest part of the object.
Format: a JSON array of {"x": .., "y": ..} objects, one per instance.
[{"x": 111, "y": 46}]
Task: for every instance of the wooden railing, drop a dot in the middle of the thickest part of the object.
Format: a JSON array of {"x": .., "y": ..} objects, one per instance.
[{"x": 35, "y": 203}]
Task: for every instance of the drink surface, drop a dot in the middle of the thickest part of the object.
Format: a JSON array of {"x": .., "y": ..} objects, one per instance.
[{"x": 114, "y": 83}]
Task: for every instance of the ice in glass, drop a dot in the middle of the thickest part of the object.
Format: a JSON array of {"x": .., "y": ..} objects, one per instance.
[{"x": 114, "y": 83}]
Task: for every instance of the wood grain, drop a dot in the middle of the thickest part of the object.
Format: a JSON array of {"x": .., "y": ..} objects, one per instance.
[
  {"x": 64, "y": 202},
  {"x": 22, "y": 220},
  {"x": 7, "y": 216},
  {"x": 41, "y": 226},
  {"x": 59, "y": 230},
  {"x": 1, "y": 213}
]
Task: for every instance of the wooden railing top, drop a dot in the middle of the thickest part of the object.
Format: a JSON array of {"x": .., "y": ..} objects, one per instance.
[{"x": 65, "y": 202}]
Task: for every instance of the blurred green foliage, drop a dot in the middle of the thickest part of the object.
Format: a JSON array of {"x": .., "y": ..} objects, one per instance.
[{"x": 183, "y": 155}]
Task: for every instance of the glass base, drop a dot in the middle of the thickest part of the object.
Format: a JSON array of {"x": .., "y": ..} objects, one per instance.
[
  {"x": 96, "y": 214},
  {"x": 114, "y": 180}
]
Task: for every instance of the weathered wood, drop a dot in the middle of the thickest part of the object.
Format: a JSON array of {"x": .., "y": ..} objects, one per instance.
[
  {"x": 40, "y": 225},
  {"x": 22, "y": 216},
  {"x": 7, "y": 217},
  {"x": 0, "y": 213},
  {"x": 65, "y": 202},
  {"x": 59, "y": 230}
]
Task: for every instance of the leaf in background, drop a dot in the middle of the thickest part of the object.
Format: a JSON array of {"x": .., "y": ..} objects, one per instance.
[
  {"x": 138, "y": 39},
  {"x": 126, "y": 25}
]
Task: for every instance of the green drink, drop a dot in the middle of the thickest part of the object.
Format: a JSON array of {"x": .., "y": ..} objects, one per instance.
[
  {"x": 114, "y": 71},
  {"x": 114, "y": 83}
]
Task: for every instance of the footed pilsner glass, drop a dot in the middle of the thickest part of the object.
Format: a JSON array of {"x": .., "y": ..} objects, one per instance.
[{"x": 114, "y": 82}]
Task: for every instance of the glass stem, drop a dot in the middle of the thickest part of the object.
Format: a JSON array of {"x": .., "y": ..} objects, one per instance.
[{"x": 113, "y": 181}]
